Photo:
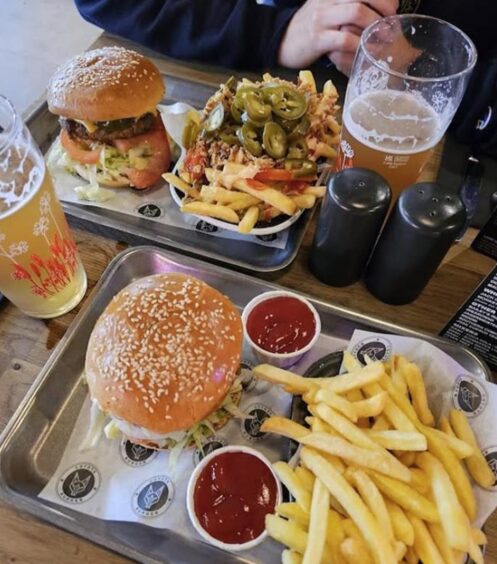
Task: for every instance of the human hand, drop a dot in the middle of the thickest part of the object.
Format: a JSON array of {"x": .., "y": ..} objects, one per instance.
[{"x": 323, "y": 27}]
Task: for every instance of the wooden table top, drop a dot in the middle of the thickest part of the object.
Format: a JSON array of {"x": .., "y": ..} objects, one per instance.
[{"x": 26, "y": 344}]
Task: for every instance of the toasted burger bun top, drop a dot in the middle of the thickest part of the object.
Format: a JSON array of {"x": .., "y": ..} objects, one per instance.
[
  {"x": 105, "y": 84},
  {"x": 164, "y": 353}
]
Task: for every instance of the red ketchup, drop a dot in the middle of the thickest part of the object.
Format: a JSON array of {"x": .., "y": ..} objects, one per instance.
[
  {"x": 281, "y": 325},
  {"x": 232, "y": 496}
]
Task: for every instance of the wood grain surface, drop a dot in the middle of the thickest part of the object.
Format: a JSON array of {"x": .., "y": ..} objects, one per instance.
[{"x": 26, "y": 344}]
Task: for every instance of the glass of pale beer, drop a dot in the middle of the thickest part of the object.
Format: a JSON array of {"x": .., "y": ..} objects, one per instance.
[
  {"x": 40, "y": 269},
  {"x": 408, "y": 78}
]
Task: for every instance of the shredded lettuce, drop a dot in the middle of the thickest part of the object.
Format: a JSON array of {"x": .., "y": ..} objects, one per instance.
[
  {"x": 97, "y": 422},
  {"x": 58, "y": 158}
]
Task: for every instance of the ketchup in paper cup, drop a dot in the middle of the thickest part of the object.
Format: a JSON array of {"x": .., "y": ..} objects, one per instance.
[
  {"x": 229, "y": 495},
  {"x": 280, "y": 327}
]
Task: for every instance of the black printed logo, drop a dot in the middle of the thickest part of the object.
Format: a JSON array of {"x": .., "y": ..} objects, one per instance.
[
  {"x": 251, "y": 425},
  {"x": 150, "y": 210},
  {"x": 269, "y": 238},
  {"x": 210, "y": 445},
  {"x": 375, "y": 348},
  {"x": 136, "y": 455},
  {"x": 469, "y": 396},
  {"x": 490, "y": 455},
  {"x": 249, "y": 381},
  {"x": 153, "y": 497},
  {"x": 79, "y": 483},
  {"x": 205, "y": 227}
]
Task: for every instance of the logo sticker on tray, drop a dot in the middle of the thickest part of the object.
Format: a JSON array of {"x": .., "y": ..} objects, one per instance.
[
  {"x": 153, "y": 497},
  {"x": 136, "y": 455},
  {"x": 469, "y": 396},
  {"x": 150, "y": 210},
  {"x": 251, "y": 426},
  {"x": 491, "y": 456},
  {"x": 210, "y": 445},
  {"x": 205, "y": 227},
  {"x": 79, "y": 483},
  {"x": 375, "y": 348}
]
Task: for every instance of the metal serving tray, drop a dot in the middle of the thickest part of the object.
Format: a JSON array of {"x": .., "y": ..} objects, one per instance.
[
  {"x": 33, "y": 442},
  {"x": 44, "y": 127}
]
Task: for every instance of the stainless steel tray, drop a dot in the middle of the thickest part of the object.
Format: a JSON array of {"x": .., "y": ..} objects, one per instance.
[
  {"x": 33, "y": 442},
  {"x": 135, "y": 231}
]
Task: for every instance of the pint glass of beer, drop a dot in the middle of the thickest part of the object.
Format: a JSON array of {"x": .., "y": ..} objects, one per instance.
[
  {"x": 40, "y": 270},
  {"x": 408, "y": 78}
]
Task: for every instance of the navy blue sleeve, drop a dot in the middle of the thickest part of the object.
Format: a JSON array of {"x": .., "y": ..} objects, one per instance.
[{"x": 232, "y": 33}]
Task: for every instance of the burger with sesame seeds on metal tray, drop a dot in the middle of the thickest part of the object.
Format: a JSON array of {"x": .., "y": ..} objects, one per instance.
[
  {"x": 111, "y": 132},
  {"x": 162, "y": 363}
]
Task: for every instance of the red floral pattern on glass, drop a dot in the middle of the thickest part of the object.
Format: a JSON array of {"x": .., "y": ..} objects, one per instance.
[{"x": 46, "y": 275}]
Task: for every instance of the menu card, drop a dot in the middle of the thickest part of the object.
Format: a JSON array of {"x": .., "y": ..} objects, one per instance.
[
  {"x": 475, "y": 324},
  {"x": 486, "y": 240}
]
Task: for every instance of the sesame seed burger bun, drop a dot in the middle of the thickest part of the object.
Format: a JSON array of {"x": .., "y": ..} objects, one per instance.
[
  {"x": 164, "y": 353},
  {"x": 104, "y": 85}
]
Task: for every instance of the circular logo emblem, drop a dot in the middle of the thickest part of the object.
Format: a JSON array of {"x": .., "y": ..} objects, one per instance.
[
  {"x": 136, "y": 455},
  {"x": 269, "y": 238},
  {"x": 205, "y": 227},
  {"x": 150, "y": 210},
  {"x": 469, "y": 396},
  {"x": 210, "y": 445},
  {"x": 490, "y": 455},
  {"x": 153, "y": 497},
  {"x": 248, "y": 379},
  {"x": 79, "y": 483},
  {"x": 375, "y": 348},
  {"x": 251, "y": 425}
]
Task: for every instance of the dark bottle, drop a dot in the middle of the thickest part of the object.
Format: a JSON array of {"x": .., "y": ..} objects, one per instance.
[
  {"x": 423, "y": 225},
  {"x": 350, "y": 219}
]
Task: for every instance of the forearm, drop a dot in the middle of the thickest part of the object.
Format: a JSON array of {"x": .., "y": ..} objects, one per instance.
[{"x": 232, "y": 33}]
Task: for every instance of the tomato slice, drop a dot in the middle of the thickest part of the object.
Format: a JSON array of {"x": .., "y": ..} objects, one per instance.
[
  {"x": 274, "y": 174},
  {"x": 159, "y": 160},
  {"x": 77, "y": 151},
  {"x": 296, "y": 186},
  {"x": 256, "y": 184}
]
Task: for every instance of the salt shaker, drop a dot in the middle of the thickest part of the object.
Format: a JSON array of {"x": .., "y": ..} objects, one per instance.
[
  {"x": 416, "y": 237},
  {"x": 350, "y": 219}
]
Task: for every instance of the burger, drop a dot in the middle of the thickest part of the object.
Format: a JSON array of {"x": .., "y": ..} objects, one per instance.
[
  {"x": 162, "y": 362},
  {"x": 111, "y": 131}
]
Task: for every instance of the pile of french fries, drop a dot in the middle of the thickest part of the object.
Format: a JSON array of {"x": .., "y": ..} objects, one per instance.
[
  {"x": 376, "y": 480},
  {"x": 229, "y": 194}
]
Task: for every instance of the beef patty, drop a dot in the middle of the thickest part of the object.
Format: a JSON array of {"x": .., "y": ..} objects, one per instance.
[{"x": 109, "y": 130}]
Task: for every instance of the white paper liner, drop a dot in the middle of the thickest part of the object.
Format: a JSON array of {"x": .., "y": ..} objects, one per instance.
[
  {"x": 119, "y": 483},
  {"x": 158, "y": 199}
]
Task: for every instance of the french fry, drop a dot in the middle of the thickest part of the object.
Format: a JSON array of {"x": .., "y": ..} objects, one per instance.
[
  {"x": 452, "y": 516},
  {"x": 329, "y": 89},
  {"x": 212, "y": 175},
  {"x": 304, "y": 201},
  {"x": 283, "y": 377},
  {"x": 402, "y": 527},
  {"x": 354, "y": 551},
  {"x": 284, "y": 427},
  {"x": 269, "y": 195},
  {"x": 243, "y": 201},
  {"x": 335, "y": 535},
  {"x": 454, "y": 469},
  {"x": 339, "y": 403},
  {"x": 460, "y": 448},
  {"x": 249, "y": 220},
  {"x": 475, "y": 552},
  {"x": 406, "y": 496},
  {"x": 290, "y": 557},
  {"x": 318, "y": 191},
  {"x": 374, "y": 500},
  {"x": 360, "y": 550},
  {"x": 440, "y": 540},
  {"x": 180, "y": 184},
  {"x": 306, "y": 477},
  {"x": 407, "y": 458},
  {"x": 332, "y": 124},
  {"x": 444, "y": 426},
  {"x": 352, "y": 503},
  {"x": 306, "y": 77},
  {"x": 478, "y": 536},
  {"x": 396, "y": 373},
  {"x": 398, "y": 440},
  {"x": 292, "y": 510},
  {"x": 366, "y": 458},
  {"x": 287, "y": 533},
  {"x": 381, "y": 423},
  {"x": 416, "y": 387},
  {"x": 420, "y": 481},
  {"x": 212, "y": 193},
  {"x": 411, "y": 557},
  {"x": 424, "y": 545},
  {"x": 323, "y": 150},
  {"x": 293, "y": 484},
  {"x": 211, "y": 210},
  {"x": 371, "y": 407},
  {"x": 392, "y": 412},
  {"x": 318, "y": 523},
  {"x": 360, "y": 378},
  {"x": 476, "y": 463}
]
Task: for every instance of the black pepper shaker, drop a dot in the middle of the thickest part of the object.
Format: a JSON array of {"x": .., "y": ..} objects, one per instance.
[
  {"x": 423, "y": 225},
  {"x": 350, "y": 219}
]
